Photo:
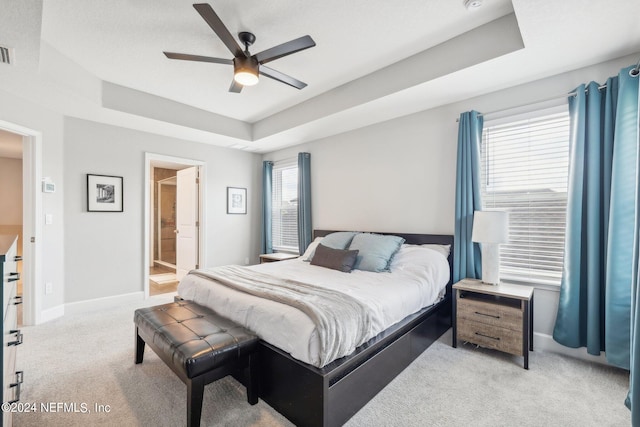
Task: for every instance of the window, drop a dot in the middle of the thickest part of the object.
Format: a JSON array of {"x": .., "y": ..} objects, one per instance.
[
  {"x": 524, "y": 170},
  {"x": 284, "y": 207}
]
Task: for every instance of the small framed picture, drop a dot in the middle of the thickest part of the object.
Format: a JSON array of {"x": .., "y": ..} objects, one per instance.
[
  {"x": 104, "y": 193},
  {"x": 236, "y": 200}
]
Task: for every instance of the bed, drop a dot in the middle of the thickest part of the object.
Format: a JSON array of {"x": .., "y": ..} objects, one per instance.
[{"x": 309, "y": 387}]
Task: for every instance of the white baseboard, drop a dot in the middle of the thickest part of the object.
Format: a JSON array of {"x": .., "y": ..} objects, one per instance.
[
  {"x": 51, "y": 313},
  {"x": 86, "y": 306},
  {"x": 544, "y": 342}
]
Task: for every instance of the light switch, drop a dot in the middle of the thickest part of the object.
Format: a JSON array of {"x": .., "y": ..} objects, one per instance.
[{"x": 48, "y": 219}]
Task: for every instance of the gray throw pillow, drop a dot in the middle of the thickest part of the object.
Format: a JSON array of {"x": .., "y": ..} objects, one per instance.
[{"x": 336, "y": 259}]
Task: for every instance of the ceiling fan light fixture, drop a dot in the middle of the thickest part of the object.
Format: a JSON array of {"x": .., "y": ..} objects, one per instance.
[{"x": 245, "y": 71}]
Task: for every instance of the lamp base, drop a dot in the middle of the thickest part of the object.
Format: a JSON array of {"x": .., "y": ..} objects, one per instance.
[{"x": 491, "y": 263}]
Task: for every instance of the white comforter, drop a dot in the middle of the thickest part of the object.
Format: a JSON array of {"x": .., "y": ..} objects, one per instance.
[{"x": 394, "y": 295}]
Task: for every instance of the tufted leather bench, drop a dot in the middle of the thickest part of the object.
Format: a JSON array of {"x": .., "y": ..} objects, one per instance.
[{"x": 199, "y": 345}]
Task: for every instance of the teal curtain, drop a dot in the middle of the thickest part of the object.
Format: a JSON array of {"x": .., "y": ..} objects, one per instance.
[
  {"x": 622, "y": 223},
  {"x": 581, "y": 312},
  {"x": 632, "y": 121},
  {"x": 304, "y": 201},
  {"x": 267, "y": 183},
  {"x": 466, "y": 258},
  {"x": 594, "y": 309},
  {"x": 633, "y": 397}
]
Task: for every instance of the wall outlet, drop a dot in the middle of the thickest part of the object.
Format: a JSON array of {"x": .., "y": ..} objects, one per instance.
[{"x": 48, "y": 288}]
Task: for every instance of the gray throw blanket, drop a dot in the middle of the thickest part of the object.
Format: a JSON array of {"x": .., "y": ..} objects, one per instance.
[{"x": 342, "y": 322}]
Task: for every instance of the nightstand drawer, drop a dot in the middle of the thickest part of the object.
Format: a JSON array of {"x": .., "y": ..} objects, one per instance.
[
  {"x": 489, "y": 336},
  {"x": 490, "y": 313}
]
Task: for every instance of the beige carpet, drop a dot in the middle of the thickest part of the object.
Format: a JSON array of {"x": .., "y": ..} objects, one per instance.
[{"x": 88, "y": 359}]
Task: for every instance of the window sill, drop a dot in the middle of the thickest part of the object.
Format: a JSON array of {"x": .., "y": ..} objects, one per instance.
[
  {"x": 286, "y": 251},
  {"x": 535, "y": 285}
]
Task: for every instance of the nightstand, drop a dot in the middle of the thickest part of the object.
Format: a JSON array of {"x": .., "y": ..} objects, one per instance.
[
  {"x": 494, "y": 316},
  {"x": 276, "y": 256}
]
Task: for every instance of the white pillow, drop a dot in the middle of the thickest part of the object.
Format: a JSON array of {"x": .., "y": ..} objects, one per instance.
[
  {"x": 311, "y": 249},
  {"x": 418, "y": 256},
  {"x": 441, "y": 249}
]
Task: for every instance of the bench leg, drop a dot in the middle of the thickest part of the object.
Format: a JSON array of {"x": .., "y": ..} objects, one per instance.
[
  {"x": 195, "y": 392},
  {"x": 252, "y": 384},
  {"x": 139, "y": 348}
]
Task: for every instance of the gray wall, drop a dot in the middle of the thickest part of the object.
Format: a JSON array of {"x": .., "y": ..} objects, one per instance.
[
  {"x": 399, "y": 175},
  {"x": 392, "y": 176},
  {"x": 49, "y": 124},
  {"x": 104, "y": 251},
  {"x": 103, "y": 254}
]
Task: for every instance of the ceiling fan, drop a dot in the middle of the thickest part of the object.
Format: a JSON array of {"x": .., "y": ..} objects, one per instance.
[{"x": 246, "y": 66}]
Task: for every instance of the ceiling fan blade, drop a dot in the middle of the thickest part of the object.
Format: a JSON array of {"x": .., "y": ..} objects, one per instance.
[
  {"x": 281, "y": 77},
  {"x": 187, "y": 57},
  {"x": 235, "y": 87},
  {"x": 285, "y": 49},
  {"x": 214, "y": 21}
]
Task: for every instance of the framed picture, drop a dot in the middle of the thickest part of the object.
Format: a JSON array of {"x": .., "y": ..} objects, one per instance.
[
  {"x": 236, "y": 200},
  {"x": 104, "y": 193}
]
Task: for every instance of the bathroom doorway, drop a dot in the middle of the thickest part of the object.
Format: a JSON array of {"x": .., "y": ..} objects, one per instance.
[
  {"x": 173, "y": 245},
  {"x": 162, "y": 274}
]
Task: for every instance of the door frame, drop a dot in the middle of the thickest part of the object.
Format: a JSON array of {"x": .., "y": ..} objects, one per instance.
[
  {"x": 32, "y": 220},
  {"x": 150, "y": 158}
]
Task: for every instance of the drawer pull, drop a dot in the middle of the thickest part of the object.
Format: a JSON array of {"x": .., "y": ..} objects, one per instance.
[
  {"x": 17, "y": 300},
  {"x": 488, "y": 336},
  {"x": 488, "y": 315},
  {"x": 18, "y": 386},
  {"x": 13, "y": 277},
  {"x": 19, "y": 337},
  {"x": 18, "y": 258}
]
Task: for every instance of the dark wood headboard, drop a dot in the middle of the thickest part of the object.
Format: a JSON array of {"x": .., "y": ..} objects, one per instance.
[{"x": 413, "y": 239}]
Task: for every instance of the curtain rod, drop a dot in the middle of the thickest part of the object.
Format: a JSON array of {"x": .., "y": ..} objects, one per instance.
[
  {"x": 553, "y": 98},
  {"x": 522, "y": 105},
  {"x": 285, "y": 160},
  {"x": 632, "y": 72}
]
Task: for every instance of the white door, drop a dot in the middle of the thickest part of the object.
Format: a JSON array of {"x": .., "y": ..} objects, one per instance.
[{"x": 186, "y": 221}]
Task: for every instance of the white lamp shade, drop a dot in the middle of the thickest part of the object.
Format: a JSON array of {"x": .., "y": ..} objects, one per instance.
[{"x": 490, "y": 227}]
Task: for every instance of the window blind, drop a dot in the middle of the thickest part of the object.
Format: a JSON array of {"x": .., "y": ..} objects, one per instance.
[
  {"x": 284, "y": 211},
  {"x": 524, "y": 170}
]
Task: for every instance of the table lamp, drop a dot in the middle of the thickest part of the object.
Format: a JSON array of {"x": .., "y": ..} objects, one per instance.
[{"x": 490, "y": 228}]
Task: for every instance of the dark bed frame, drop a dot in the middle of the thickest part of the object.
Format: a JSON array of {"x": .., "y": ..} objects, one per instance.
[{"x": 329, "y": 396}]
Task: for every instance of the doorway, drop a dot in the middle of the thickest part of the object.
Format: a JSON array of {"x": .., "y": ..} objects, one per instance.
[
  {"x": 173, "y": 244},
  {"x": 162, "y": 273},
  {"x": 21, "y": 169},
  {"x": 11, "y": 205}
]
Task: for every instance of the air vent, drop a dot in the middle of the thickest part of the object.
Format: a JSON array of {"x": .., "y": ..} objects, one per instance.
[{"x": 6, "y": 55}]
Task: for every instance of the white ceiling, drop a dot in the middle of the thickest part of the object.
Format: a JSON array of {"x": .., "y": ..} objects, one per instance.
[
  {"x": 106, "y": 58},
  {"x": 122, "y": 42}
]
